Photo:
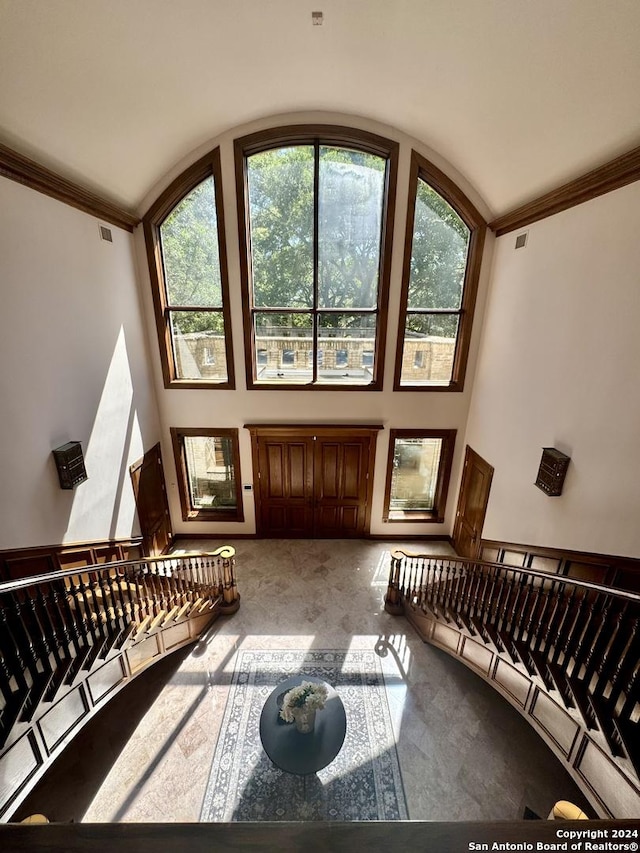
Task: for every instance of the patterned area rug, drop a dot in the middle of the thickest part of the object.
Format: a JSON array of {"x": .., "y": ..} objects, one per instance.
[{"x": 362, "y": 783}]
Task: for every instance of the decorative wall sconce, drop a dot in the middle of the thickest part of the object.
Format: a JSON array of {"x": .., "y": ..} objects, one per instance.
[
  {"x": 552, "y": 471},
  {"x": 70, "y": 464}
]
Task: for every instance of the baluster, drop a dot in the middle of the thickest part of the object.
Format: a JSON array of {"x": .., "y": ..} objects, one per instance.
[
  {"x": 45, "y": 623},
  {"x": 562, "y": 634},
  {"x": 98, "y": 614},
  {"x": 591, "y": 652},
  {"x": 626, "y": 660},
  {"x": 544, "y": 617},
  {"x": 68, "y": 630},
  {"x": 614, "y": 648},
  {"x": 12, "y": 652}
]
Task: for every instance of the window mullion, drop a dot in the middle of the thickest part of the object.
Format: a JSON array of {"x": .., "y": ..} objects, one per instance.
[{"x": 316, "y": 207}]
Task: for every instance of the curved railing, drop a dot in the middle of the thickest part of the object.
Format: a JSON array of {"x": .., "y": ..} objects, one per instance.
[
  {"x": 532, "y": 633},
  {"x": 69, "y": 639}
]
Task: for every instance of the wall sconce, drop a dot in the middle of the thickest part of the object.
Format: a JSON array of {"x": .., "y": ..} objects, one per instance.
[{"x": 552, "y": 471}]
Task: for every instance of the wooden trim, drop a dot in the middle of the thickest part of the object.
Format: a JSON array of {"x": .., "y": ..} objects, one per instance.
[
  {"x": 24, "y": 171},
  {"x": 207, "y": 166},
  {"x": 312, "y": 429},
  {"x": 305, "y": 135},
  {"x": 422, "y": 169},
  {"x": 616, "y": 173},
  {"x": 448, "y": 437},
  {"x": 612, "y": 570},
  {"x": 188, "y": 512},
  {"x": 87, "y": 552}
]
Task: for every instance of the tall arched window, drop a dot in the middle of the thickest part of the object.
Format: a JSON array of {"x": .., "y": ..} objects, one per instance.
[
  {"x": 184, "y": 232},
  {"x": 443, "y": 249},
  {"x": 315, "y": 218}
]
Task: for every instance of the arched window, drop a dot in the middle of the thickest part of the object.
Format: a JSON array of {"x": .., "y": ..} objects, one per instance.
[
  {"x": 184, "y": 233},
  {"x": 315, "y": 218},
  {"x": 443, "y": 249}
]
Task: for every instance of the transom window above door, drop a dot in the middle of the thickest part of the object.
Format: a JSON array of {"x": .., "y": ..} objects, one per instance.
[{"x": 315, "y": 228}]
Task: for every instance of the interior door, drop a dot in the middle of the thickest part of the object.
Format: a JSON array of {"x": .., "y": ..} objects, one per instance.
[
  {"x": 147, "y": 478},
  {"x": 313, "y": 482},
  {"x": 285, "y": 472},
  {"x": 341, "y": 482},
  {"x": 472, "y": 504}
]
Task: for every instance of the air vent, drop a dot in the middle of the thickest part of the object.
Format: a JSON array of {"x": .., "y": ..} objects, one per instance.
[
  {"x": 317, "y": 19},
  {"x": 105, "y": 234},
  {"x": 521, "y": 240}
]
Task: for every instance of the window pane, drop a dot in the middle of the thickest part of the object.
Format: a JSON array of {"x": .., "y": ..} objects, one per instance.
[
  {"x": 199, "y": 346},
  {"x": 429, "y": 349},
  {"x": 438, "y": 253},
  {"x": 344, "y": 338},
  {"x": 415, "y": 473},
  {"x": 189, "y": 238},
  {"x": 351, "y": 187},
  {"x": 281, "y": 221},
  {"x": 210, "y": 472},
  {"x": 287, "y": 340}
]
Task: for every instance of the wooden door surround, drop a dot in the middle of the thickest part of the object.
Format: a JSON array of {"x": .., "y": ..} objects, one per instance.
[
  {"x": 313, "y": 481},
  {"x": 147, "y": 479},
  {"x": 472, "y": 504}
]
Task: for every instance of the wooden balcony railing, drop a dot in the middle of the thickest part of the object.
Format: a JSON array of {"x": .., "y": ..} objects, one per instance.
[
  {"x": 58, "y": 630},
  {"x": 577, "y": 642}
]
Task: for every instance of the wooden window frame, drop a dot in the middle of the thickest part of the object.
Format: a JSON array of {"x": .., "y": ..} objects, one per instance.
[
  {"x": 317, "y": 135},
  {"x": 189, "y": 513},
  {"x": 436, "y": 515},
  {"x": 422, "y": 169},
  {"x": 208, "y": 166}
]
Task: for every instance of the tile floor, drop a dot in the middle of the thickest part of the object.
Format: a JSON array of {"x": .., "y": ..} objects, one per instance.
[{"x": 464, "y": 752}]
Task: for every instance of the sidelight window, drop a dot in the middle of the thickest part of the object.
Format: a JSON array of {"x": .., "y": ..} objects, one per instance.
[
  {"x": 418, "y": 472},
  {"x": 208, "y": 467}
]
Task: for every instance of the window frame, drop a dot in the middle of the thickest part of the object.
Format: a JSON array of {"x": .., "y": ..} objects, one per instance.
[
  {"x": 189, "y": 513},
  {"x": 207, "y": 167},
  {"x": 316, "y": 135},
  {"x": 437, "y": 514},
  {"x": 422, "y": 169}
]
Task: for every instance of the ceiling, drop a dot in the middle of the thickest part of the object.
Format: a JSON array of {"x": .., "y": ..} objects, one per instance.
[{"x": 518, "y": 95}]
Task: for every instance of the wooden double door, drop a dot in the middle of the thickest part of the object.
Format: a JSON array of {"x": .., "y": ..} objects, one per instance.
[{"x": 313, "y": 482}]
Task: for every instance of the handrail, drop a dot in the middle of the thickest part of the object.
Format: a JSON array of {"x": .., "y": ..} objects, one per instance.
[
  {"x": 564, "y": 579},
  {"x": 575, "y": 639},
  {"x": 59, "y": 629},
  {"x": 225, "y": 551}
]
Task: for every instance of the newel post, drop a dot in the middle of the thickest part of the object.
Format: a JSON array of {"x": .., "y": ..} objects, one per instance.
[
  {"x": 230, "y": 594},
  {"x": 392, "y": 600}
]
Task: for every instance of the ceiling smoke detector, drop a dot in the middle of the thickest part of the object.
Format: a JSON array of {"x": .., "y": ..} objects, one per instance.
[{"x": 317, "y": 19}]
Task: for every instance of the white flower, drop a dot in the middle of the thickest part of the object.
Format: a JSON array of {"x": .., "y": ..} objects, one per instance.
[{"x": 308, "y": 695}]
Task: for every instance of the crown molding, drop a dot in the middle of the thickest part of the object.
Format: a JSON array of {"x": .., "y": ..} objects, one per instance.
[
  {"x": 19, "y": 168},
  {"x": 611, "y": 176}
]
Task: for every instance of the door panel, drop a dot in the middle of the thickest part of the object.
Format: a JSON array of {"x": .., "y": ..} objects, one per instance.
[
  {"x": 285, "y": 490},
  {"x": 472, "y": 504},
  {"x": 313, "y": 482},
  {"x": 147, "y": 478},
  {"x": 340, "y": 486}
]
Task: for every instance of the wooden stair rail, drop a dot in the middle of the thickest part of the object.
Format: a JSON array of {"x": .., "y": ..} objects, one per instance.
[
  {"x": 529, "y": 633},
  {"x": 69, "y": 638}
]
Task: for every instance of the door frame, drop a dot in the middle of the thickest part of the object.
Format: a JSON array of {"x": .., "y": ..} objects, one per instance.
[
  {"x": 151, "y": 456},
  {"x": 309, "y": 431},
  {"x": 470, "y": 456}
]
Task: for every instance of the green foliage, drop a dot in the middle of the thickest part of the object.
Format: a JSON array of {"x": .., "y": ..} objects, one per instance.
[
  {"x": 190, "y": 253},
  {"x": 438, "y": 253}
]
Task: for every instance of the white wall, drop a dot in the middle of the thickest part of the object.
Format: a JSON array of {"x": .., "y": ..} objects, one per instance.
[
  {"x": 210, "y": 408},
  {"x": 74, "y": 367},
  {"x": 560, "y": 366}
]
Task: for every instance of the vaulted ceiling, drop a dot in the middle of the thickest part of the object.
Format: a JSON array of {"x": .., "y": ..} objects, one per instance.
[{"x": 518, "y": 95}]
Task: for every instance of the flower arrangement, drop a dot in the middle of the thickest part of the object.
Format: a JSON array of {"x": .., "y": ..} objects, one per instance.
[{"x": 308, "y": 696}]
